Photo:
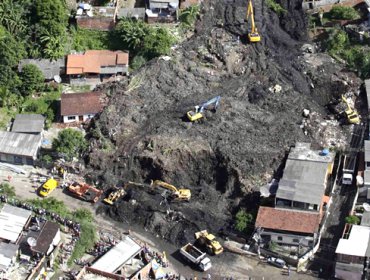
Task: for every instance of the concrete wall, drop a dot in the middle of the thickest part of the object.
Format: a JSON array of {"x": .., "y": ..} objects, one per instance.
[
  {"x": 327, "y": 5},
  {"x": 288, "y": 239},
  {"x": 13, "y": 159},
  {"x": 96, "y": 23},
  {"x": 77, "y": 118}
]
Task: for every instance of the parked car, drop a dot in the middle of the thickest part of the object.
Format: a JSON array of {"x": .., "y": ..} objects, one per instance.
[
  {"x": 48, "y": 187},
  {"x": 276, "y": 262}
]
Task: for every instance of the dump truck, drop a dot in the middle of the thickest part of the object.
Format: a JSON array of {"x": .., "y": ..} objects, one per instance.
[
  {"x": 196, "y": 257},
  {"x": 208, "y": 240},
  {"x": 85, "y": 192},
  {"x": 350, "y": 159},
  {"x": 114, "y": 196}
]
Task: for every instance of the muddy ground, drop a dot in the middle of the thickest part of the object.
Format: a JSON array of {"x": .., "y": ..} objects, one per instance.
[{"x": 264, "y": 87}]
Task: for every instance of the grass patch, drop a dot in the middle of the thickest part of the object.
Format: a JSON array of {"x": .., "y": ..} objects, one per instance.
[{"x": 86, "y": 39}]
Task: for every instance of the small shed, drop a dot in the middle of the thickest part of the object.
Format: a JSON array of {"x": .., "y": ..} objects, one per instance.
[
  {"x": 28, "y": 123},
  {"x": 19, "y": 148}
]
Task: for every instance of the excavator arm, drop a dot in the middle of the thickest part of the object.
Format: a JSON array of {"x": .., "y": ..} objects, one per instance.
[
  {"x": 253, "y": 36},
  {"x": 180, "y": 194},
  {"x": 198, "y": 113}
]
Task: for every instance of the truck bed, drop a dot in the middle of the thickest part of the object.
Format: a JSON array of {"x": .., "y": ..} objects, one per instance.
[
  {"x": 193, "y": 251},
  {"x": 85, "y": 192}
]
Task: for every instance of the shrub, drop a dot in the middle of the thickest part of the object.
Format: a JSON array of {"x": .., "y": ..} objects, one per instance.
[
  {"x": 243, "y": 220},
  {"x": 70, "y": 143},
  {"x": 6, "y": 189},
  {"x": 277, "y": 8},
  {"x": 189, "y": 15},
  {"x": 353, "y": 220},
  {"x": 32, "y": 79},
  {"x": 341, "y": 12}
]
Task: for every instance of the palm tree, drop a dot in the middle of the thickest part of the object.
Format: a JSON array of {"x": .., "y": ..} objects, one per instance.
[{"x": 189, "y": 15}]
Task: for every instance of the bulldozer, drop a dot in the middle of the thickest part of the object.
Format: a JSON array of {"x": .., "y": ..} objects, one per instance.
[
  {"x": 351, "y": 114},
  {"x": 209, "y": 241},
  {"x": 114, "y": 196},
  {"x": 177, "y": 194}
]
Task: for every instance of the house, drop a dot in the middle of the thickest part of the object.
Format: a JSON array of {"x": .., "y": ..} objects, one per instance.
[
  {"x": 12, "y": 222},
  {"x": 327, "y": 5},
  {"x": 40, "y": 240},
  {"x": 353, "y": 253},
  {"x": 19, "y": 148},
  {"x": 126, "y": 260},
  {"x": 51, "y": 69},
  {"x": 80, "y": 107},
  {"x": 162, "y": 11},
  {"x": 8, "y": 256},
  {"x": 96, "y": 66},
  {"x": 300, "y": 200},
  {"x": 28, "y": 123}
]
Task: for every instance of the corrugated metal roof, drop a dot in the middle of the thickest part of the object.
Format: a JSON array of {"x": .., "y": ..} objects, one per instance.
[
  {"x": 20, "y": 144},
  {"x": 118, "y": 256},
  {"x": 303, "y": 181},
  {"x": 131, "y": 12},
  {"x": 367, "y": 150},
  {"x": 28, "y": 123},
  {"x": 12, "y": 222}
]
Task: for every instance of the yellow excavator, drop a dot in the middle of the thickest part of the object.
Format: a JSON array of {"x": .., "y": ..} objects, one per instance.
[
  {"x": 177, "y": 194},
  {"x": 114, "y": 196},
  {"x": 253, "y": 36},
  {"x": 352, "y": 115},
  {"x": 209, "y": 241}
]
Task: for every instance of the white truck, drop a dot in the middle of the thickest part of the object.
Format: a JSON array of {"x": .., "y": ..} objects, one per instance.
[{"x": 195, "y": 256}]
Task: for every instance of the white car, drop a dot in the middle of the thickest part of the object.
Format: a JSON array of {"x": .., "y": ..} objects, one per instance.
[{"x": 276, "y": 262}]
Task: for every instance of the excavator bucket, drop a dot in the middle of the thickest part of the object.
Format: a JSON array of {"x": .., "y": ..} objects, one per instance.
[{"x": 254, "y": 37}]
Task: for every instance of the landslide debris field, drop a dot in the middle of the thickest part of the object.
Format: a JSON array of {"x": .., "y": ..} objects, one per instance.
[{"x": 142, "y": 133}]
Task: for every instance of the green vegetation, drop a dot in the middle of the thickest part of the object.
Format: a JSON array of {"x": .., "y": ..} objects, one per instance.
[
  {"x": 83, "y": 216},
  {"x": 277, "y": 8},
  {"x": 188, "y": 16},
  {"x": 85, "y": 39},
  {"x": 70, "y": 143},
  {"x": 356, "y": 55},
  {"x": 32, "y": 80},
  {"x": 243, "y": 220},
  {"x": 6, "y": 189},
  {"x": 342, "y": 12},
  {"x": 45, "y": 104},
  {"x": 353, "y": 220},
  {"x": 142, "y": 39}
]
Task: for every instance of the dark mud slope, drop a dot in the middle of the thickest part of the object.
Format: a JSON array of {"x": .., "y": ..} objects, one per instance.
[{"x": 142, "y": 134}]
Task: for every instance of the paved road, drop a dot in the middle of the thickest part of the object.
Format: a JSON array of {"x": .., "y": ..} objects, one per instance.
[{"x": 324, "y": 260}]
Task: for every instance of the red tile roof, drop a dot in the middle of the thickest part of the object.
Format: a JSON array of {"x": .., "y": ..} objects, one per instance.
[
  {"x": 77, "y": 104},
  {"x": 288, "y": 220},
  {"x": 91, "y": 61}
]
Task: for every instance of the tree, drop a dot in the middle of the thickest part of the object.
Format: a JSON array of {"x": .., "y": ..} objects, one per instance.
[
  {"x": 189, "y": 15},
  {"x": 70, "y": 143},
  {"x": 243, "y": 220},
  {"x": 132, "y": 32},
  {"x": 157, "y": 42},
  {"x": 49, "y": 20},
  {"x": 6, "y": 189},
  {"x": 342, "y": 12},
  {"x": 32, "y": 79}
]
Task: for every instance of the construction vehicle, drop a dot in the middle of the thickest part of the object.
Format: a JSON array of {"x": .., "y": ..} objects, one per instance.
[
  {"x": 352, "y": 115},
  {"x": 177, "y": 194},
  {"x": 114, "y": 196},
  {"x": 209, "y": 241},
  {"x": 253, "y": 35},
  {"x": 199, "y": 109},
  {"x": 195, "y": 257},
  {"x": 48, "y": 187},
  {"x": 85, "y": 191}
]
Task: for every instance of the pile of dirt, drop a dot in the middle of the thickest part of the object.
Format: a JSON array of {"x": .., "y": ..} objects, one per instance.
[{"x": 264, "y": 87}]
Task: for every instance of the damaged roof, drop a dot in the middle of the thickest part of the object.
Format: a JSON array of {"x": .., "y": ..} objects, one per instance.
[
  {"x": 93, "y": 60},
  {"x": 288, "y": 220},
  {"x": 46, "y": 237},
  {"x": 77, "y": 104}
]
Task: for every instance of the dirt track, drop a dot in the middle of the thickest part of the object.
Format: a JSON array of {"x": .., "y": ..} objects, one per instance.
[{"x": 142, "y": 134}]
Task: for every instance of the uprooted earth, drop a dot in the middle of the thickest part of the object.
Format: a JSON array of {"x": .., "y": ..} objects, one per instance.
[{"x": 143, "y": 134}]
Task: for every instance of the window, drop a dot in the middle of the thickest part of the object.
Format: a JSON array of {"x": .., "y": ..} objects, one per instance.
[
  {"x": 71, "y": 118},
  {"x": 280, "y": 238},
  {"x": 295, "y": 240}
]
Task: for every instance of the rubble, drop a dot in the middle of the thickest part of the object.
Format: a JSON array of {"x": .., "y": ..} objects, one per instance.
[{"x": 224, "y": 158}]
